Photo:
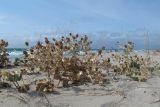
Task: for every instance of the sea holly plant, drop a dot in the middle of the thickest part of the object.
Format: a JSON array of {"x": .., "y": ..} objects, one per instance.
[
  {"x": 3, "y": 53},
  {"x": 128, "y": 48},
  {"x": 15, "y": 77},
  {"x": 128, "y": 63},
  {"x": 132, "y": 64},
  {"x": 61, "y": 60}
]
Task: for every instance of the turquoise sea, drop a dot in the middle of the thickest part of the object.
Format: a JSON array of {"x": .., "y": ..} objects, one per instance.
[
  {"x": 18, "y": 52},
  {"x": 15, "y": 53}
]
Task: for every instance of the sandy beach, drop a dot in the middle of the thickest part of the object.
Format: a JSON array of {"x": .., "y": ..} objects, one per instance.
[{"x": 120, "y": 92}]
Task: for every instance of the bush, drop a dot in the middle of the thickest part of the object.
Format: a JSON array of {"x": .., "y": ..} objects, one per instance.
[{"x": 3, "y": 53}]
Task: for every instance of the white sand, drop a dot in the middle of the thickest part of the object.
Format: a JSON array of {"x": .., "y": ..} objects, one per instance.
[
  {"x": 124, "y": 93},
  {"x": 119, "y": 94}
]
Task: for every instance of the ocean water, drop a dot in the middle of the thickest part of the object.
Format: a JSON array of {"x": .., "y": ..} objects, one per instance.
[
  {"x": 18, "y": 52},
  {"x": 15, "y": 53}
]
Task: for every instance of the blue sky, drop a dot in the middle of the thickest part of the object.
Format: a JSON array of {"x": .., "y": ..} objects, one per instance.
[{"x": 105, "y": 21}]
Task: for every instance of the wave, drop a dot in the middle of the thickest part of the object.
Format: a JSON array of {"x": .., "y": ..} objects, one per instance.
[
  {"x": 13, "y": 54},
  {"x": 17, "y": 53}
]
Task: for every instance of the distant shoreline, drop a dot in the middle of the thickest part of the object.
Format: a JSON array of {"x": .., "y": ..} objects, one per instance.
[{"x": 20, "y": 49}]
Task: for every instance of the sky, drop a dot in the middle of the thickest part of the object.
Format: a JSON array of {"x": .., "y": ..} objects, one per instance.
[{"x": 105, "y": 21}]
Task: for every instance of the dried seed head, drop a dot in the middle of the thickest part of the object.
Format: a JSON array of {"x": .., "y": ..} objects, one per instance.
[
  {"x": 68, "y": 39},
  {"x": 46, "y": 40},
  {"x": 53, "y": 39},
  {"x": 73, "y": 37},
  {"x": 38, "y": 43},
  {"x": 76, "y": 44},
  {"x": 26, "y": 43},
  {"x": 77, "y": 35}
]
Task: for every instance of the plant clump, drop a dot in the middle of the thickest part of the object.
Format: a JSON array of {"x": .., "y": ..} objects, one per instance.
[
  {"x": 44, "y": 86},
  {"x": 3, "y": 53},
  {"x": 62, "y": 61},
  {"x": 70, "y": 61},
  {"x": 130, "y": 63},
  {"x": 14, "y": 77}
]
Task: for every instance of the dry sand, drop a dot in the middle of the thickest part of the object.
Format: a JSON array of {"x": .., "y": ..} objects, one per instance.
[{"x": 121, "y": 93}]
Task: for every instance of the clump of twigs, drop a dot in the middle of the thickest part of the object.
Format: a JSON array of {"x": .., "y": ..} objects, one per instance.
[
  {"x": 3, "y": 53},
  {"x": 17, "y": 62},
  {"x": 70, "y": 61},
  {"x": 14, "y": 77},
  {"x": 62, "y": 61},
  {"x": 44, "y": 86},
  {"x": 130, "y": 63}
]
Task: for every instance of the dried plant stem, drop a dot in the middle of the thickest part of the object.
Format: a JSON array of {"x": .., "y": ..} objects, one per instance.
[{"x": 48, "y": 102}]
